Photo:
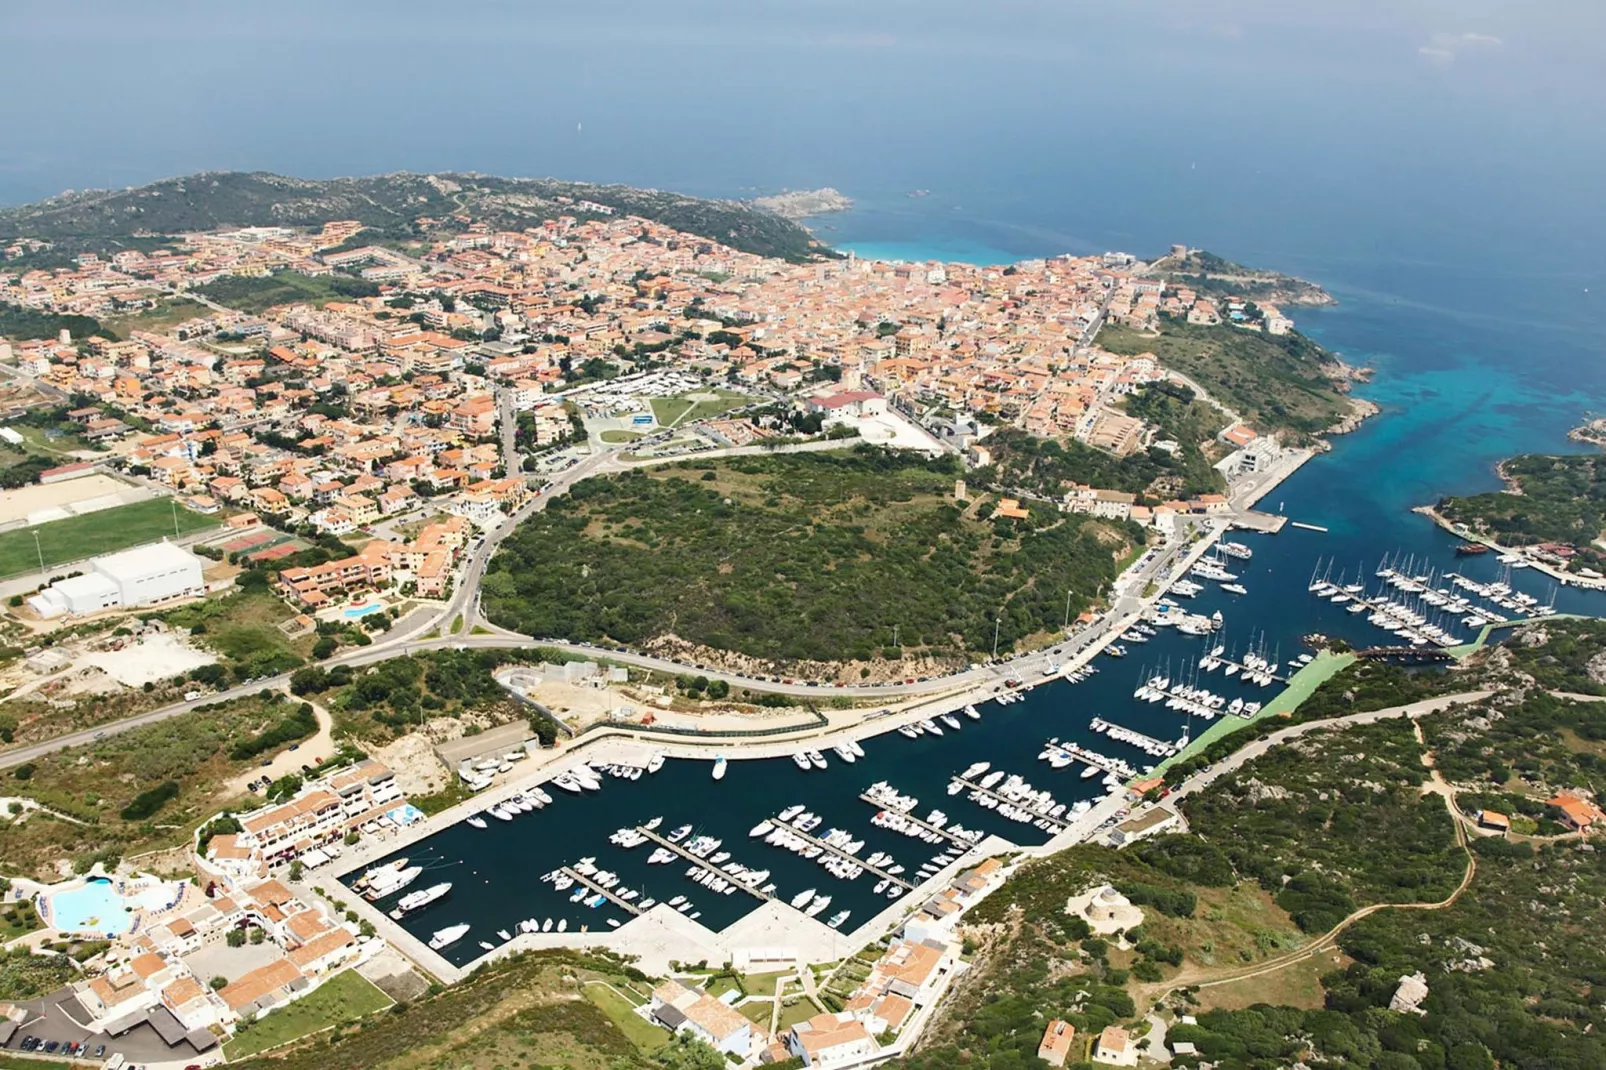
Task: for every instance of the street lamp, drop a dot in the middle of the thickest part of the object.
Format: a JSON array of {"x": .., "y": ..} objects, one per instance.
[
  {"x": 40, "y": 552},
  {"x": 997, "y": 620}
]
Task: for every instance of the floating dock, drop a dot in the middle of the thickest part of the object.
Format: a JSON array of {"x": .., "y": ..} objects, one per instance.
[
  {"x": 704, "y": 863},
  {"x": 915, "y": 821},
  {"x": 1058, "y": 822},
  {"x": 1135, "y": 738},
  {"x": 1307, "y": 527},
  {"x": 855, "y": 859},
  {"x": 595, "y": 887}
]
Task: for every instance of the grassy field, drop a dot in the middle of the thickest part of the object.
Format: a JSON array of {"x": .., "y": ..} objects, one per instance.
[
  {"x": 343, "y": 998},
  {"x": 18, "y": 919},
  {"x": 801, "y": 1011},
  {"x": 255, "y": 295},
  {"x": 243, "y": 627},
  {"x": 1297, "y": 985},
  {"x": 643, "y": 1034},
  {"x": 668, "y": 411},
  {"x": 168, "y": 313},
  {"x": 104, "y": 532},
  {"x": 618, "y": 438}
]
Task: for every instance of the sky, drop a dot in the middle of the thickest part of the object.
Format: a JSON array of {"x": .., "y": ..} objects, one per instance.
[{"x": 716, "y": 96}]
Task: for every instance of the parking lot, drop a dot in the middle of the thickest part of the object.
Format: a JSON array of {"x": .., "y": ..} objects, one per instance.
[{"x": 54, "y": 1023}]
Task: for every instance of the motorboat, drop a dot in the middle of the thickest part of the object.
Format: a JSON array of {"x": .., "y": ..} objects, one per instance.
[
  {"x": 416, "y": 901},
  {"x": 477, "y": 821},
  {"x": 719, "y": 767},
  {"x": 449, "y": 935}
]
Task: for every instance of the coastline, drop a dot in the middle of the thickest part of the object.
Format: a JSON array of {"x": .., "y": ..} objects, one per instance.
[{"x": 1461, "y": 531}]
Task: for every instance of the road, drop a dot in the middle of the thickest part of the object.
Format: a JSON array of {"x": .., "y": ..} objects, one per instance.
[
  {"x": 432, "y": 630},
  {"x": 1249, "y": 753}
]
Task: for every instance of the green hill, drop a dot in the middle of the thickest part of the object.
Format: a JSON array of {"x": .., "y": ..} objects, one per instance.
[{"x": 107, "y": 220}]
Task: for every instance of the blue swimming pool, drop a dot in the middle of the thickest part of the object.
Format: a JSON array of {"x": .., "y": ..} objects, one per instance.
[
  {"x": 98, "y": 907},
  {"x": 353, "y": 612}
]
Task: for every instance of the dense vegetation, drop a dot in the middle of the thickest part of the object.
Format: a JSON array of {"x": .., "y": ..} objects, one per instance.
[
  {"x": 18, "y": 322},
  {"x": 1333, "y": 821},
  {"x": 103, "y": 221},
  {"x": 1272, "y": 381},
  {"x": 1558, "y": 654},
  {"x": 135, "y": 790},
  {"x": 1562, "y": 499},
  {"x": 258, "y": 294},
  {"x": 1533, "y": 747},
  {"x": 816, "y": 556},
  {"x": 1047, "y": 467}
]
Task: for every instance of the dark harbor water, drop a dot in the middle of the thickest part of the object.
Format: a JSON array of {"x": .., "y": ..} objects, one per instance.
[{"x": 496, "y": 872}]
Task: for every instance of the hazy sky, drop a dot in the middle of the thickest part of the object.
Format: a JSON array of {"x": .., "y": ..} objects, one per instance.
[{"x": 776, "y": 93}]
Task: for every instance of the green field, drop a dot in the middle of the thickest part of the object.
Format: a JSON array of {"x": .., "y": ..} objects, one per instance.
[
  {"x": 669, "y": 411},
  {"x": 343, "y": 998},
  {"x": 255, "y": 295},
  {"x": 617, "y": 438},
  {"x": 104, "y": 532},
  {"x": 643, "y": 1034}
]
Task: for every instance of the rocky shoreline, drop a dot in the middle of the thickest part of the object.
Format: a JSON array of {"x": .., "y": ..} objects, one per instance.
[{"x": 802, "y": 204}]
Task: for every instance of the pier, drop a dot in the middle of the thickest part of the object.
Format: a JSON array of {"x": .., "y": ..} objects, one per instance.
[
  {"x": 855, "y": 859},
  {"x": 1059, "y": 823},
  {"x": 1407, "y": 655},
  {"x": 1089, "y": 757},
  {"x": 1132, "y": 737},
  {"x": 915, "y": 821},
  {"x": 1223, "y": 662},
  {"x": 1308, "y": 527},
  {"x": 703, "y": 863},
  {"x": 595, "y": 887}
]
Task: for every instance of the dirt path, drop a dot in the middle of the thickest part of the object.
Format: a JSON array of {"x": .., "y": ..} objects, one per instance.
[
  {"x": 320, "y": 747},
  {"x": 1202, "y": 977}
]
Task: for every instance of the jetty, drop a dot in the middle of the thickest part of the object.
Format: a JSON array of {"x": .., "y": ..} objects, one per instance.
[
  {"x": 1059, "y": 823},
  {"x": 1308, "y": 527},
  {"x": 916, "y": 822},
  {"x": 1087, "y": 756},
  {"x": 704, "y": 863},
  {"x": 1406, "y": 655},
  {"x": 815, "y": 841},
  {"x": 1122, "y": 734},
  {"x": 581, "y": 878},
  {"x": 1223, "y": 662}
]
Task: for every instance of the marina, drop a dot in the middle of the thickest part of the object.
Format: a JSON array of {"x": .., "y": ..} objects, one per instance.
[
  {"x": 1003, "y": 799},
  {"x": 700, "y": 862},
  {"x": 941, "y": 833},
  {"x": 597, "y": 889},
  {"x": 1085, "y": 762}
]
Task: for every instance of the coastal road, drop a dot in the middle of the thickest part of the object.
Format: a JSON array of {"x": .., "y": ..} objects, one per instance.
[
  {"x": 1233, "y": 762},
  {"x": 424, "y": 633}
]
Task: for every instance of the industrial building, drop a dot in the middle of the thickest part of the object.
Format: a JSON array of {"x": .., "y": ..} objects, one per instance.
[{"x": 144, "y": 576}]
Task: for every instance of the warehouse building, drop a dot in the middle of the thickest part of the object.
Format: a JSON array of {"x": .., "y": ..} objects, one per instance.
[{"x": 144, "y": 576}]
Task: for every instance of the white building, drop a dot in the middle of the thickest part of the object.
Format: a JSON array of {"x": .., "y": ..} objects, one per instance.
[
  {"x": 144, "y": 576},
  {"x": 684, "y": 1009}
]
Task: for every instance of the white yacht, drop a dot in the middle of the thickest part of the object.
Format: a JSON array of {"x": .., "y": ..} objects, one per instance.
[{"x": 449, "y": 935}]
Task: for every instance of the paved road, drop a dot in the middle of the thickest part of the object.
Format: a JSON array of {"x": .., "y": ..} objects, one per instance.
[
  {"x": 428, "y": 629},
  {"x": 1234, "y": 761}
]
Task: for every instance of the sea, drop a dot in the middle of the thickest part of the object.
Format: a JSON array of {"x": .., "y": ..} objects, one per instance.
[{"x": 1436, "y": 166}]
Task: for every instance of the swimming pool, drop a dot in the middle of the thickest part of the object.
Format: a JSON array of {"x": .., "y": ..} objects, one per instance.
[
  {"x": 98, "y": 907},
  {"x": 353, "y": 612}
]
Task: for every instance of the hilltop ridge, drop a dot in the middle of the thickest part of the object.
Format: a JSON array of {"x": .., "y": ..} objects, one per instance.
[{"x": 102, "y": 220}]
